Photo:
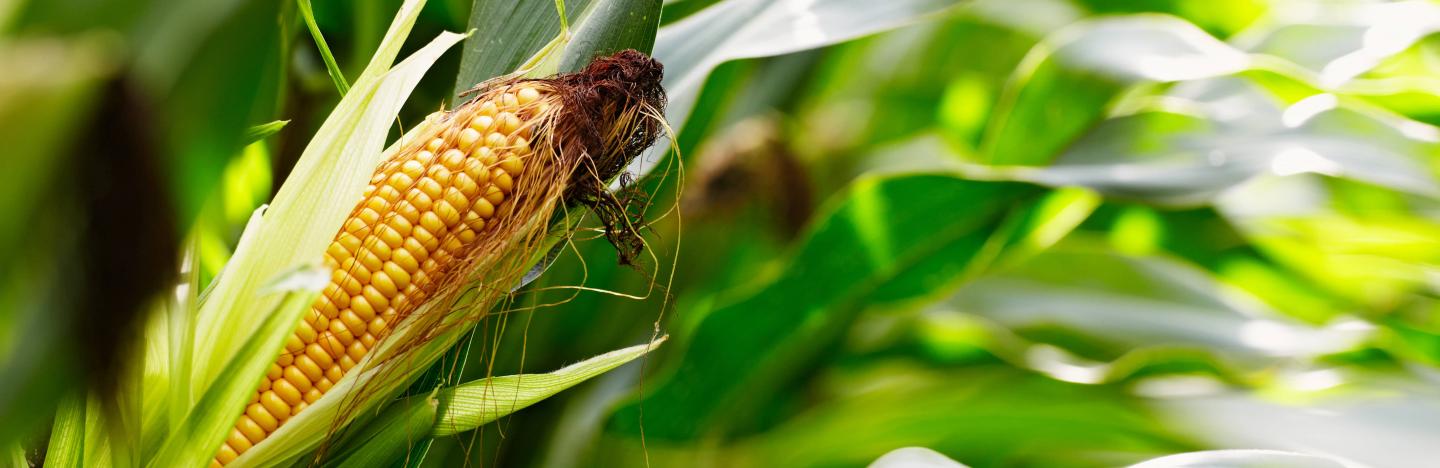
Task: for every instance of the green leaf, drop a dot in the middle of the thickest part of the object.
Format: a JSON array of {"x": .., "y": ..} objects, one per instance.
[
  {"x": 1142, "y": 302},
  {"x": 471, "y": 405},
  {"x": 50, "y": 96},
  {"x": 1174, "y": 158},
  {"x": 507, "y": 33},
  {"x": 612, "y": 26},
  {"x": 1065, "y": 85},
  {"x": 308, "y": 14},
  {"x": 210, "y": 421},
  {"x": 985, "y": 416},
  {"x": 391, "y": 436},
  {"x": 67, "y": 435},
  {"x": 213, "y": 67},
  {"x": 1244, "y": 458},
  {"x": 1221, "y": 18},
  {"x": 738, "y": 29},
  {"x": 989, "y": 418},
  {"x": 14, "y": 454},
  {"x": 1339, "y": 47},
  {"x": 926, "y": 228},
  {"x": 260, "y": 132}
]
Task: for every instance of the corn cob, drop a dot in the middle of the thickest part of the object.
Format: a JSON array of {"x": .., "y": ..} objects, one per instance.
[{"x": 424, "y": 210}]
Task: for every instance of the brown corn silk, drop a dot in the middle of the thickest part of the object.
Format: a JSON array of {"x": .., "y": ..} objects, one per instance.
[{"x": 471, "y": 196}]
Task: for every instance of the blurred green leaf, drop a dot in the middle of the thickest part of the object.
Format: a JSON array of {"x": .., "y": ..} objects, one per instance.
[
  {"x": 1221, "y": 18},
  {"x": 48, "y": 96},
  {"x": 1366, "y": 243},
  {"x": 1383, "y": 420},
  {"x": 880, "y": 230},
  {"x": 985, "y": 416},
  {"x": 67, "y": 435},
  {"x": 260, "y": 132},
  {"x": 1407, "y": 83},
  {"x": 214, "y": 68},
  {"x": 1065, "y": 85},
  {"x": 1190, "y": 158},
  {"x": 736, "y": 29},
  {"x": 1347, "y": 39},
  {"x": 1243, "y": 459},
  {"x": 1137, "y": 302}
]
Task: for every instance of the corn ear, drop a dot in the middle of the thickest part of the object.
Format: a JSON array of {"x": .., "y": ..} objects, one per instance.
[
  {"x": 420, "y": 215},
  {"x": 495, "y": 241}
]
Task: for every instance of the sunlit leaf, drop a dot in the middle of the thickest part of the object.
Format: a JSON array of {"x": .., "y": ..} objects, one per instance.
[
  {"x": 1066, "y": 83},
  {"x": 737, "y": 29},
  {"x": 1218, "y": 17},
  {"x": 983, "y": 416},
  {"x": 914, "y": 457},
  {"x": 470, "y": 405},
  {"x": 879, "y": 231},
  {"x": 1142, "y": 302},
  {"x": 1241, "y": 458},
  {"x": 1234, "y": 135},
  {"x": 194, "y": 441},
  {"x": 467, "y": 406},
  {"x": 1345, "y": 41},
  {"x": 260, "y": 132},
  {"x": 1390, "y": 426}
]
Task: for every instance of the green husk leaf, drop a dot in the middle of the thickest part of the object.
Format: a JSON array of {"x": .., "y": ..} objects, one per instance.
[
  {"x": 471, "y": 405},
  {"x": 67, "y": 436},
  {"x": 207, "y": 425},
  {"x": 393, "y": 436},
  {"x": 15, "y": 455},
  {"x": 390, "y": 436}
]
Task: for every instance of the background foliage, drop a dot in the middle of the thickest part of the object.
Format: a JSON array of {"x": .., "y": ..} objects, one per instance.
[{"x": 1015, "y": 232}]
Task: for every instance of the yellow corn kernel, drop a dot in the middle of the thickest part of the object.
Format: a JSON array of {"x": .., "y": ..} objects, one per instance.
[{"x": 226, "y": 455}]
